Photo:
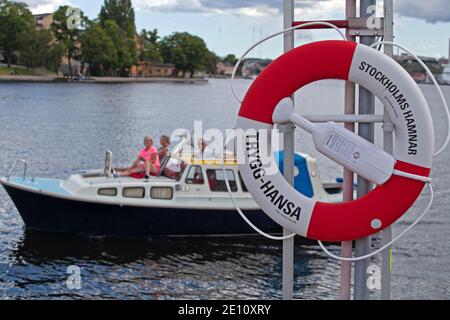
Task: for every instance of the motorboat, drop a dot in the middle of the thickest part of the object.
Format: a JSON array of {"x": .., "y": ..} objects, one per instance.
[{"x": 190, "y": 201}]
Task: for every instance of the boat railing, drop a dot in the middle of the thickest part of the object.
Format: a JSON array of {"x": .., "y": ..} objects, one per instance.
[
  {"x": 108, "y": 163},
  {"x": 25, "y": 168}
]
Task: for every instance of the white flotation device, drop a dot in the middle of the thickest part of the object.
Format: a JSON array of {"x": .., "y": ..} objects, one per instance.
[{"x": 413, "y": 145}]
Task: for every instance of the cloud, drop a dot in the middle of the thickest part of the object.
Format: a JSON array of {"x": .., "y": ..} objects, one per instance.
[
  {"x": 319, "y": 9},
  {"x": 169, "y": 5},
  {"x": 310, "y": 9},
  {"x": 431, "y": 11},
  {"x": 249, "y": 8},
  {"x": 255, "y": 8},
  {"x": 304, "y": 35},
  {"x": 236, "y": 4},
  {"x": 45, "y": 6}
]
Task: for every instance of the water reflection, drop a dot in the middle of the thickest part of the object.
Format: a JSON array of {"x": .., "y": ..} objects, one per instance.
[{"x": 161, "y": 268}]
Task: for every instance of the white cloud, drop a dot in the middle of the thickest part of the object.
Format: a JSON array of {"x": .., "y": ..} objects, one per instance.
[
  {"x": 169, "y": 5},
  {"x": 304, "y": 35},
  {"x": 431, "y": 11},
  {"x": 256, "y": 11},
  {"x": 249, "y": 8},
  {"x": 319, "y": 9},
  {"x": 45, "y": 6}
]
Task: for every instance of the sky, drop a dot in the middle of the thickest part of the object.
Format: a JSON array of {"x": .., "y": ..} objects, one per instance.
[{"x": 231, "y": 26}]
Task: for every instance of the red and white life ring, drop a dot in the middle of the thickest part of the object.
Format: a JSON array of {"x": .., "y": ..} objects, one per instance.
[{"x": 413, "y": 144}]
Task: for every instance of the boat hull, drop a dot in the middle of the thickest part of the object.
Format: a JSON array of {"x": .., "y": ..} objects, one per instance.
[{"x": 50, "y": 213}]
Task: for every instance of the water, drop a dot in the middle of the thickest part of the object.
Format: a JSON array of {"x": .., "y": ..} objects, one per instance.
[{"x": 64, "y": 128}]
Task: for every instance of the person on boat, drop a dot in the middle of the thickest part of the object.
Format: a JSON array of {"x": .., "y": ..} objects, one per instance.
[
  {"x": 163, "y": 151},
  {"x": 205, "y": 150},
  {"x": 202, "y": 144},
  {"x": 146, "y": 164}
]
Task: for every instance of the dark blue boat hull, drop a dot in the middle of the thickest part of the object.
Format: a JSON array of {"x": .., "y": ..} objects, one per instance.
[{"x": 48, "y": 213}]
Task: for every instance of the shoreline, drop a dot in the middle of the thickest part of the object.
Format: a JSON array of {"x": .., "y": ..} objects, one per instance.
[
  {"x": 119, "y": 80},
  {"x": 101, "y": 80}
]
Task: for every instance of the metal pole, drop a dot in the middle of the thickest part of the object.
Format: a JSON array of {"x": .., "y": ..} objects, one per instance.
[
  {"x": 346, "y": 246},
  {"x": 288, "y": 145},
  {"x": 365, "y": 130},
  {"x": 386, "y": 255}
]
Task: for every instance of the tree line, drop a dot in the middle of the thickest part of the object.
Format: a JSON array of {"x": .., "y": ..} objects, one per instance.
[{"x": 109, "y": 44}]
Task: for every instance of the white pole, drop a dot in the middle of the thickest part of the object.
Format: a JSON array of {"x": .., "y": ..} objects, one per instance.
[
  {"x": 288, "y": 144},
  {"x": 386, "y": 255},
  {"x": 346, "y": 250},
  {"x": 365, "y": 130}
]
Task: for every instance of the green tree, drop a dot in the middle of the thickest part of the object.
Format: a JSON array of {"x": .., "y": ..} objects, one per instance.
[
  {"x": 230, "y": 58},
  {"x": 118, "y": 19},
  {"x": 148, "y": 46},
  {"x": 413, "y": 66},
  {"x": 56, "y": 53},
  {"x": 67, "y": 26},
  {"x": 125, "y": 47},
  {"x": 211, "y": 63},
  {"x": 153, "y": 36},
  {"x": 16, "y": 21},
  {"x": 38, "y": 51},
  {"x": 120, "y": 11},
  {"x": 97, "y": 49},
  {"x": 189, "y": 53}
]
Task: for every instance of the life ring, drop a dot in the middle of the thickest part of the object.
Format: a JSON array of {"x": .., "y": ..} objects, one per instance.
[{"x": 413, "y": 144}]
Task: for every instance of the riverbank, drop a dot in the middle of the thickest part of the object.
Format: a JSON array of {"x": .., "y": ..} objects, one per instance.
[{"x": 105, "y": 80}]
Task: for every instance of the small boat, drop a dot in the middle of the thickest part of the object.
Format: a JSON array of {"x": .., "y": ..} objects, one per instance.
[{"x": 192, "y": 202}]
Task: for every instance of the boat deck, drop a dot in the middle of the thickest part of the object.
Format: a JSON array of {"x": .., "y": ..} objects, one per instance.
[{"x": 39, "y": 184}]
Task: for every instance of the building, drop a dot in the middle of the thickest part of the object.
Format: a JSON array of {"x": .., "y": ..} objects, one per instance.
[
  {"x": 416, "y": 71},
  {"x": 43, "y": 21},
  {"x": 144, "y": 69},
  {"x": 443, "y": 61},
  {"x": 148, "y": 69},
  {"x": 162, "y": 69},
  {"x": 410, "y": 59},
  {"x": 224, "y": 68},
  {"x": 253, "y": 66}
]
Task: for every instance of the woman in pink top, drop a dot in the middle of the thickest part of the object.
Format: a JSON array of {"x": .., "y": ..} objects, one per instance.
[{"x": 146, "y": 163}]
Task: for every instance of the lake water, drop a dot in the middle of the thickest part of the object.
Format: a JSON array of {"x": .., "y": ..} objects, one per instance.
[{"x": 64, "y": 128}]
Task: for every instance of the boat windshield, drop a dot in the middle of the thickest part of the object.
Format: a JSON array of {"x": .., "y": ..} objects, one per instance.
[{"x": 174, "y": 169}]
